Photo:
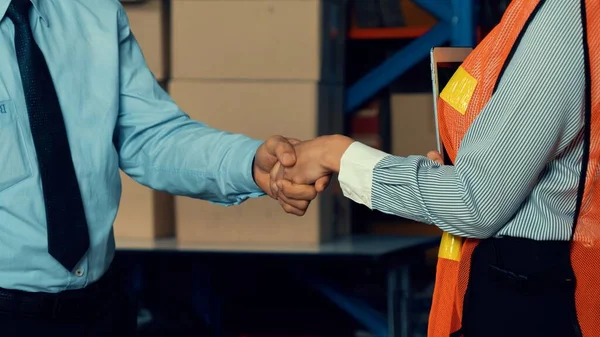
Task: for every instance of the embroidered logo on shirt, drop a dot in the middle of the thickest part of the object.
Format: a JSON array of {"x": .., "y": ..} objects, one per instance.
[
  {"x": 2, "y": 108},
  {"x": 459, "y": 90}
]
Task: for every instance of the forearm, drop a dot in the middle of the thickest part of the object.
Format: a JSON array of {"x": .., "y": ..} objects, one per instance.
[
  {"x": 419, "y": 189},
  {"x": 184, "y": 157},
  {"x": 161, "y": 147}
]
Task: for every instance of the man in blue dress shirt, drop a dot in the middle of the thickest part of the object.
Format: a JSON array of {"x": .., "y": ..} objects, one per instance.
[{"x": 77, "y": 102}]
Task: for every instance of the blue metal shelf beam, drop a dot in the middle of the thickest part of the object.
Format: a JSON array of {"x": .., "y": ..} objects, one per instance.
[
  {"x": 456, "y": 25},
  {"x": 441, "y": 9},
  {"x": 463, "y": 23},
  {"x": 395, "y": 66}
]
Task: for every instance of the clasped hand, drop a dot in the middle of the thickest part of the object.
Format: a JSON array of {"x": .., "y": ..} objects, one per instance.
[
  {"x": 299, "y": 170},
  {"x": 295, "y": 172}
]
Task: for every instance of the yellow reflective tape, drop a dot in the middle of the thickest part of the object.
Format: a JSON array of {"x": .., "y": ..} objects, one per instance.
[
  {"x": 459, "y": 90},
  {"x": 450, "y": 247}
]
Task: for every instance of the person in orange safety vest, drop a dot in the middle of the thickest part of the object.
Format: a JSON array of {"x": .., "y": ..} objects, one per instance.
[{"x": 518, "y": 201}]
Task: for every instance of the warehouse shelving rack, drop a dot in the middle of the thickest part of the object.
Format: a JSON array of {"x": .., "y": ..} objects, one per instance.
[{"x": 456, "y": 25}]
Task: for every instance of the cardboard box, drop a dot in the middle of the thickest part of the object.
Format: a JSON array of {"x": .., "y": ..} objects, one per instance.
[
  {"x": 260, "y": 109},
  {"x": 259, "y": 39},
  {"x": 144, "y": 213},
  {"x": 413, "y": 125},
  {"x": 148, "y": 20}
]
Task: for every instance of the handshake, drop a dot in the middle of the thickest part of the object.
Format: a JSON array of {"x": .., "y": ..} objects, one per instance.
[{"x": 294, "y": 172}]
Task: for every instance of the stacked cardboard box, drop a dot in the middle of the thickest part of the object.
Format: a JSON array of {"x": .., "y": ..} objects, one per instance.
[
  {"x": 260, "y": 67},
  {"x": 287, "y": 40},
  {"x": 413, "y": 124},
  {"x": 144, "y": 213}
]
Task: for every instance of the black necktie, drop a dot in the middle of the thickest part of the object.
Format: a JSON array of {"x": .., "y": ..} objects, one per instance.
[{"x": 68, "y": 238}]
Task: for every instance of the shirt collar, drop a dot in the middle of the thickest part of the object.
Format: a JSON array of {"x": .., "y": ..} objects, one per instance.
[{"x": 37, "y": 7}]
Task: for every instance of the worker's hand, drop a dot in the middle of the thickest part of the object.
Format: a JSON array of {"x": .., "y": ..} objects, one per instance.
[
  {"x": 293, "y": 196},
  {"x": 278, "y": 152},
  {"x": 436, "y": 157},
  {"x": 317, "y": 159}
]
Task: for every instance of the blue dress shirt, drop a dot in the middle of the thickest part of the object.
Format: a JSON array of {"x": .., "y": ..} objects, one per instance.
[{"x": 117, "y": 116}]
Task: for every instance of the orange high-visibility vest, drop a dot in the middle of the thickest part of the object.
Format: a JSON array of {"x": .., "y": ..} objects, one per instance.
[{"x": 478, "y": 77}]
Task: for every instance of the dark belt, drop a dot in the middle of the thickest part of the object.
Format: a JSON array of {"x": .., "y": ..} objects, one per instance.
[{"x": 69, "y": 304}]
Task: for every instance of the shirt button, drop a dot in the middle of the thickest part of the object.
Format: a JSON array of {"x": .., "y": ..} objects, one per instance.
[{"x": 79, "y": 272}]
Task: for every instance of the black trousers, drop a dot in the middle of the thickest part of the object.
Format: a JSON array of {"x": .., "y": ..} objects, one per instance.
[
  {"x": 519, "y": 287},
  {"x": 103, "y": 309}
]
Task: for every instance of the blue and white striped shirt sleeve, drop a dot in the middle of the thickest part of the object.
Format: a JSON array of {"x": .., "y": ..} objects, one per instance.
[{"x": 534, "y": 116}]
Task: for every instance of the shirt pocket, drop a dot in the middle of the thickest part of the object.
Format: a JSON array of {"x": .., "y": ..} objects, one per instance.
[{"x": 14, "y": 166}]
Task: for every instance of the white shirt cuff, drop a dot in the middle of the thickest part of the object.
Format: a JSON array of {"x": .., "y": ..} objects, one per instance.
[{"x": 356, "y": 172}]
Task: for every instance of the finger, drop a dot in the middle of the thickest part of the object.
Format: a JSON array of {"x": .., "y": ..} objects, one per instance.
[
  {"x": 282, "y": 150},
  {"x": 275, "y": 175},
  {"x": 322, "y": 183},
  {"x": 296, "y": 191},
  {"x": 291, "y": 209},
  {"x": 435, "y": 156},
  {"x": 294, "y": 175},
  {"x": 297, "y": 204}
]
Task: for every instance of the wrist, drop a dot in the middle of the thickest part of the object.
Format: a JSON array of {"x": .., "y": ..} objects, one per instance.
[
  {"x": 332, "y": 151},
  {"x": 260, "y": 178}
]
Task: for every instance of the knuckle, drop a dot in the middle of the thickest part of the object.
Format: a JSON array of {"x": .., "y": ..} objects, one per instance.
[{"x": 274, "y": 141}]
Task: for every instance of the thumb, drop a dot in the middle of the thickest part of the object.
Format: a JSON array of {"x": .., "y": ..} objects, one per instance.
[
  {"x": 282, "y": 150},
  {"x": 322, "y": 183}
]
